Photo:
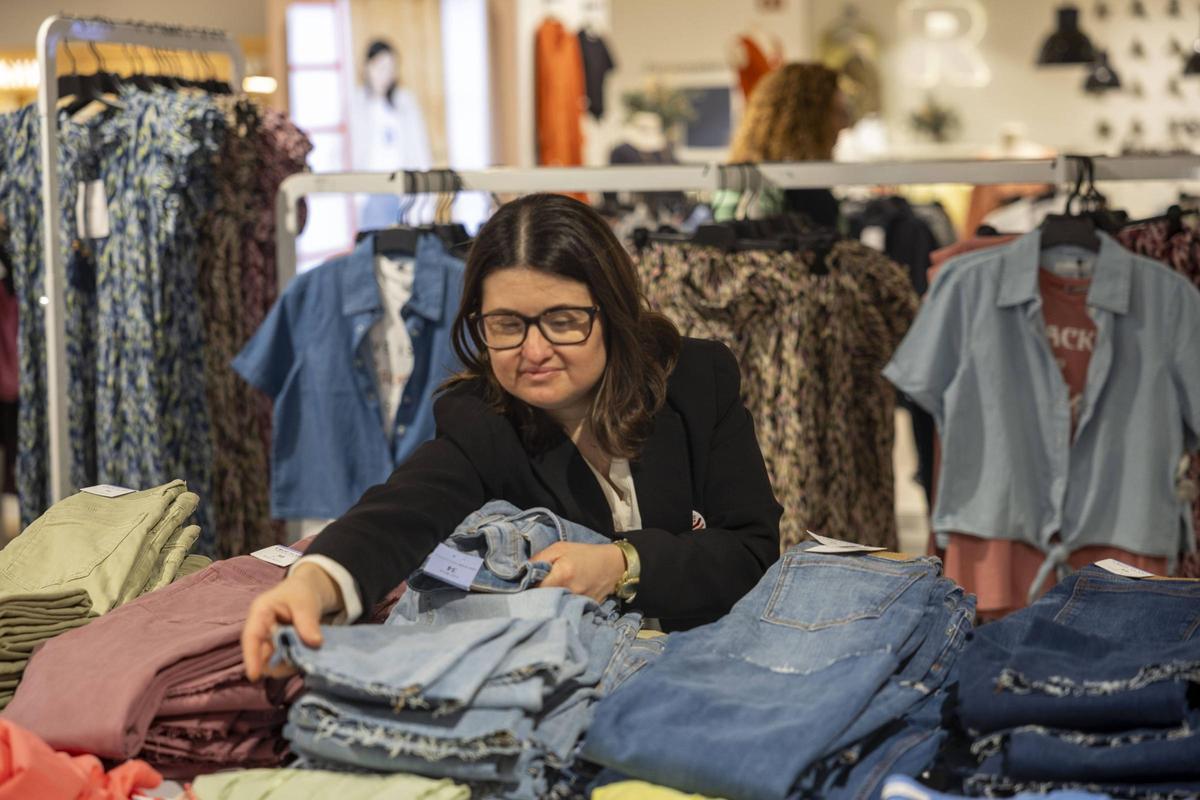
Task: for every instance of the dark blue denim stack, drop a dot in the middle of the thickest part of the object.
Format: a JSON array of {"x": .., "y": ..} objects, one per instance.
[
  {"x": 827, "y": 677},
  {"x": 1094, "y": 687},
  {"x": 494, "y": 687}
]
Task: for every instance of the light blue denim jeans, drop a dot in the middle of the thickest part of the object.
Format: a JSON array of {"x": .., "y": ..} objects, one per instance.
[
  {"x": 899, "y": 787},
  {"x": 506, "y": 538},
  {"x": 791, "y": 667}
]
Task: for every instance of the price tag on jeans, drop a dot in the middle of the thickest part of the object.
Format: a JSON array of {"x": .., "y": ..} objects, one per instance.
[
  {"x": 91, "y": 210},
  {"x": 453, "y": 567},
  {"x": 106, "y": 490},
  {"x": 1123, "y": 569},
  {"x": 832, "y": 546},
  {"x": 278, "y": 555}
]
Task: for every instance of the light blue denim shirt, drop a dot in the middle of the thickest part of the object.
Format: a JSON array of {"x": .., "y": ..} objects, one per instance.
[
  {"x": 978, "y": 359},
  {"x": 312, "y": 355}
]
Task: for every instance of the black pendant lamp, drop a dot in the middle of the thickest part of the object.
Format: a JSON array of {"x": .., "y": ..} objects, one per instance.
[
  {"x": 1102, "y": 77},
  {"x": 1191, "y": 67},
  {"x": 1068, "y": 44}
]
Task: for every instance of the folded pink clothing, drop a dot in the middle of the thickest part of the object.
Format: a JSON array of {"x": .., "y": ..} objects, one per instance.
[
  {"x": 213, "y": 727},
  {"x": 257, "y": 746},
  {"x": 97, "y": 689},
  {"x": 228, "y": 690},
  {"x": 250, "y": 752}
]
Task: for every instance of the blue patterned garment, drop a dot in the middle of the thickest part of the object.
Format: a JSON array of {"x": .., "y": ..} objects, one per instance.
[{"x": 135, "y": 338}]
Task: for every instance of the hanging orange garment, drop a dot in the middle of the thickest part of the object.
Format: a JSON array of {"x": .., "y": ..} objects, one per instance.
[
  {"x": 755, "y": 64},
  {"x": 561, "y": 96}
]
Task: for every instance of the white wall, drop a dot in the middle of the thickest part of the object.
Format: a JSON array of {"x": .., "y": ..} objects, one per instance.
[
  {"x": 19, "y": 19},
  {"x": 1049, "y": 101}
]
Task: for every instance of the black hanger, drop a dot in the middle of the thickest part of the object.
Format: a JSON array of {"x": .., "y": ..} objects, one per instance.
[
  {"x": 1173, "y": 218},
  {"x": 1072, "y": 229},
  {"x": 69, "y": 84},
  {"x": 400, "y": 239}
]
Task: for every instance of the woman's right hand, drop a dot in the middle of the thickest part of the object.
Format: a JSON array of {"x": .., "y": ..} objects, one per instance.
[{"x": 300, "y": 600}]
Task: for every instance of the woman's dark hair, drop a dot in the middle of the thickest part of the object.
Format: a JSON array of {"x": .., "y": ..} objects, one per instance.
[
  {"x": 560, "y": 236},
  {"x": 376, "y": 47}
]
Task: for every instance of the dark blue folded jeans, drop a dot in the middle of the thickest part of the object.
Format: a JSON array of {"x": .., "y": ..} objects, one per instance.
[
  {"x": 739, "y": 708},
  {"x": 1098, "y": 653}
]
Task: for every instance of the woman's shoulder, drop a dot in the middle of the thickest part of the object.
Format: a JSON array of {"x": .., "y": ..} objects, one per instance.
[
  {"x": 464, "y": 401},
  {"x": 705, "y": 370}
]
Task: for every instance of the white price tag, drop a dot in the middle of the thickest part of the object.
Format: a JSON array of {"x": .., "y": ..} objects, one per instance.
[
  {"x": 833, "y": 546},
  {"x": 91, "y": 210},
  {"x": 278, "y": 554},
  {"x": 455, "y": 568},
  {"x": 1123, "y": 569},
  {"x": 106, "y": 490},
  {"x": 874, "y": 237}
]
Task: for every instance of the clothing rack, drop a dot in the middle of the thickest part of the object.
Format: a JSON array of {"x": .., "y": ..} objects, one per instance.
[
  {"x": 713, "y": 177},
  {"x": 55, "y": 31}
]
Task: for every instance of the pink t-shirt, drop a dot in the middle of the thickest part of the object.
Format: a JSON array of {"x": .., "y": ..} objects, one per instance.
[{"x": 1071, "y": 331}]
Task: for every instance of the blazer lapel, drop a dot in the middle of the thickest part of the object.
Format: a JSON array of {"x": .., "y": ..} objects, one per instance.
[
  {"x": 564, "y": 473},
  {"x": 662, "y": 476}
]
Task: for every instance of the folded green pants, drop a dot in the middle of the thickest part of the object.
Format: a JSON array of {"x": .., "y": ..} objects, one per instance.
[
  {"x": 109, "y": 546},
  {"x": 302, "y": 784}
]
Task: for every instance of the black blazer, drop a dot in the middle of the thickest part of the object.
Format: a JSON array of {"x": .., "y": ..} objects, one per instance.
[{"x": 702, "y": 455}]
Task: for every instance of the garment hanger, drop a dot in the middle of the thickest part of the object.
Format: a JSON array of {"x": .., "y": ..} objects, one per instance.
[
  {"x": 1070, "y": 229},
  {"x": 400, "y": 239},
  {"x": 139, "y": 78},
  {"x": 69, "y": 84},
  {"x": 452, "y": 234}
]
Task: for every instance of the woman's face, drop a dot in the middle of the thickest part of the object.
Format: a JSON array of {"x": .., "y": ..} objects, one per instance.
[
  {"x": 559, "y": 379},
  {"x": 381, "y": 72}
]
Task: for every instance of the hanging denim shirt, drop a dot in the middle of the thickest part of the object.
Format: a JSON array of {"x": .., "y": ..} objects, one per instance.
[
  {"x": 312, "y": 356},
  {"x": 978, "y": 359}
]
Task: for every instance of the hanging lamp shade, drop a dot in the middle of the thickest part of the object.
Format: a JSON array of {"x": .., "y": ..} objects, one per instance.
[
  {"x": 1191, "y": 67},
  {"x": 1101, "y": 77},
  {"x": 1068, "y": 44}
]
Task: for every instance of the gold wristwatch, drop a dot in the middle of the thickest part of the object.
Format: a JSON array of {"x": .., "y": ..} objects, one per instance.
[{"x": 627, "y": 586}]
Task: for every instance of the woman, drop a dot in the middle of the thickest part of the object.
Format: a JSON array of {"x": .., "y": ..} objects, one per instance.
[
  {"x": 388, "y": 131},
  {"x": 794, "y": 114},
  {"x": 575, "y": 397}
]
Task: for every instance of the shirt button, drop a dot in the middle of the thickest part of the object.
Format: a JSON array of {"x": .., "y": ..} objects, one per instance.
[{"x": 400, "y": 429}]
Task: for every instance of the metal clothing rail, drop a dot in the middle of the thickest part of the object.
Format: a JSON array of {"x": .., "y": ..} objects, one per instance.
[
  {"x": 55, "y": 31},
  {"x": 711, "y": 177}
]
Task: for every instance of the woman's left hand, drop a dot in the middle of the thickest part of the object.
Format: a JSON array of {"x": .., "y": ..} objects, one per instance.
[{"x": 588, "y": 569}]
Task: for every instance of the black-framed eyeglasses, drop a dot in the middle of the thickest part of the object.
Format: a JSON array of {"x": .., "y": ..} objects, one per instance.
[{"x": 503, "y": 330}]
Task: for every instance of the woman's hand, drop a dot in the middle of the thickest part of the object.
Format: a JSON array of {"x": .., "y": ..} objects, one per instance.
[
  {"x": 300, "y": 601},
  {"x": 587, "y": 569}
]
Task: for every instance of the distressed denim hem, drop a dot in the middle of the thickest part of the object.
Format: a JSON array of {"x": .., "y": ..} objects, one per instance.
[
  {"x": 1013, "y": 681},
  {"x": 994, "y": 744},
  {"x": 999, "y": 786},
  {"x": 430, "y": 748}
]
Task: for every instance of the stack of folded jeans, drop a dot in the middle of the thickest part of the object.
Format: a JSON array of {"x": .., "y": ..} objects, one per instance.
[
  {"x": 828, "y": 676},
  {"x": 494, "y": 687},
  {"x": 161, "y": 678},
  {"x": 85, "y": 556},
  {"x": 1095, "y": 687}
]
